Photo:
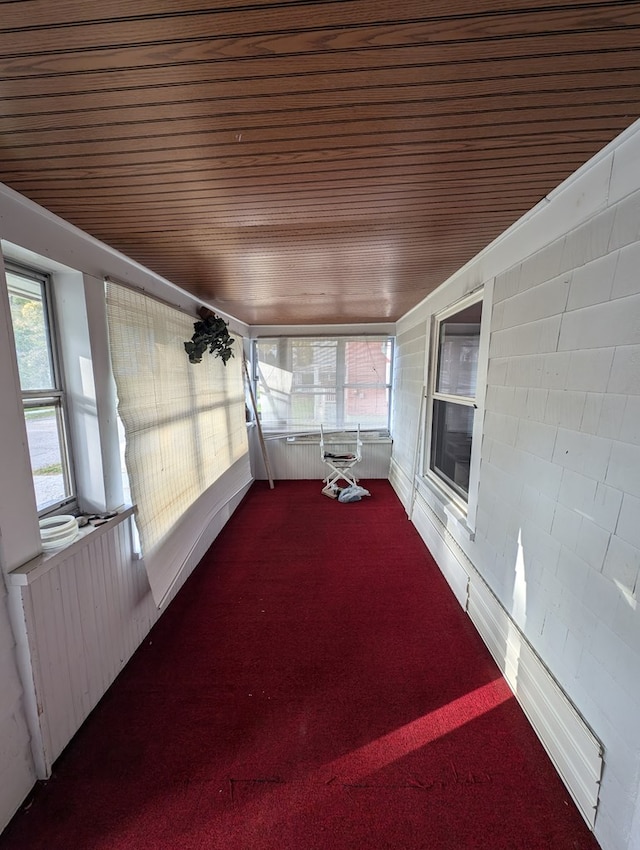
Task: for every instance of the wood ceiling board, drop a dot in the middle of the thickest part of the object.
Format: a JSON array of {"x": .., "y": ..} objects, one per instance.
[{"x": 308, "y": 161}]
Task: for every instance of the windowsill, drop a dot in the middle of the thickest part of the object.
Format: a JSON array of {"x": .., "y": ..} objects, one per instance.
[
  {"x": 334, "y": 437},
  {"x": 344, "y": 442},
  {"x": 448, "y": 511},
  {"x": 46, "y": 561}
]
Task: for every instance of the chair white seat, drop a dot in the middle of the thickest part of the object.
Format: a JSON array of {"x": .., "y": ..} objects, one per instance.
[{"x": 341, "y": 465}]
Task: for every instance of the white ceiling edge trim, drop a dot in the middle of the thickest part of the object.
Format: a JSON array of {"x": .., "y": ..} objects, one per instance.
[{"x": 27, "y": 227}]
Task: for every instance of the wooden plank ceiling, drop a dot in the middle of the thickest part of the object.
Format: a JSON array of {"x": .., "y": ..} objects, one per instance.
[{"x": 308, "y": 160}]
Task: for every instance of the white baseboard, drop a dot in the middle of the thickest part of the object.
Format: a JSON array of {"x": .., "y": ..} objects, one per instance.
[
  {"x": 445, "y": 556},
  {"x": 401, "y": 483},
  {"x": 571, "y": 745}
]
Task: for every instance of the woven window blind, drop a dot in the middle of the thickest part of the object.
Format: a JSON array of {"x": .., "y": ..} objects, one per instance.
[{"x": 184, "y": 425}]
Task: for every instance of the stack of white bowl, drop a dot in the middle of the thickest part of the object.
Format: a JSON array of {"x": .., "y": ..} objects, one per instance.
[{"x": 57, "y": 531}]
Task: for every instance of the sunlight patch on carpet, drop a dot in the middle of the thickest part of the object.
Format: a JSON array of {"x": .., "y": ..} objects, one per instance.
[{"x": 411, "y": 737}]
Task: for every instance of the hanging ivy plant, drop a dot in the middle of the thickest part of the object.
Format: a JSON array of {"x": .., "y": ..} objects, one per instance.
[{"x": 210, "y": 333}]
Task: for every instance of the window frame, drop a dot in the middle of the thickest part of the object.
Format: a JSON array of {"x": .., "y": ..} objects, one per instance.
[
  {"x": 54, "y": 396},
  {"x": 465, "y": 508},
  {"x": 340, "y": 385}
]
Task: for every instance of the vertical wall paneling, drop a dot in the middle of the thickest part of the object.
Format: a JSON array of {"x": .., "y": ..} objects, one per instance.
[
  {"x": 299, "y": 458},
  {"x": 78, "y": 629},
  {"x": 17, "y": 769},
  {"x": 78, "y": 616},
  {"x": 28, "y": 662}
]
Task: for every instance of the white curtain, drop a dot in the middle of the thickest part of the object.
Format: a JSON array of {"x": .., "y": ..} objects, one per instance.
[{"x": 184, "y": 426}]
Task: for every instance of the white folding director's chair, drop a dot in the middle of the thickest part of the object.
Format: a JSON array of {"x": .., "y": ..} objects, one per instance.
[{"x": 341, "y": 466}]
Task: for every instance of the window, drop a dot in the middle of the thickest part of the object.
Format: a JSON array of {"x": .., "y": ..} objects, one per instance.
[
  {"x": 453, "y": 391},
  {"x": 340, "y": 382},
  {"x": 41, "y": 385}
]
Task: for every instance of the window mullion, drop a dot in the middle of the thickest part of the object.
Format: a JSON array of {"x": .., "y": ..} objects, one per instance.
[
  {"x": 366, "y": 386},
  {"x": 67, "y": 467},
  {"x": 467, "y": 401},
  {"x": 341, "y": 374},
  {"x": 44, "y": 395}
]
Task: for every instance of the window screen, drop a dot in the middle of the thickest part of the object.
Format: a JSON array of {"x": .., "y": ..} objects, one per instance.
[{"x": 339, "y": 382}]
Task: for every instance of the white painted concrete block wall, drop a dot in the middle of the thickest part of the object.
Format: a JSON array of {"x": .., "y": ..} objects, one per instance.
[
  {"x": 560, "y": 469},
  {"x": 559, "y": 401},
  {"x": 408, "y": 382}
]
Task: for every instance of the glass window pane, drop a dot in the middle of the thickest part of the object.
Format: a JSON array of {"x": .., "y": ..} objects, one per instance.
[
  {"x": 458, "y": 352},
  {"x": 451, "y": 443},
  {"x": 47, "y": 456},
  {"x": 339, "y": 382},
  {"x": 368, "y": 361},
  {"x": 313, "y": 362},
  {"x": 367, "y": 407},
  {"x": 28, "y": 315}
]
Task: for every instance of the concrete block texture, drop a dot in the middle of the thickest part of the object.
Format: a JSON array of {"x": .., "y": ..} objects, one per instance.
[
  {"x": 623, "y": 471},
  {"x": 628, "y": 527},
  {"x": 590, "y": 369},
  {"x": 622, "y": 566},
  {"x": 592, "y": 284},
  {"x": 537, "y": 302},
  {"x": 612, "y": 323},
  {"x": 624, "y": 376},
  {"x": 582, "y": 453}
]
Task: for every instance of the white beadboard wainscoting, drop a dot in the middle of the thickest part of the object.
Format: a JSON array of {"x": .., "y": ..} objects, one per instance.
[
  {"x": 571, "y": 745},
  {"x": 298, "y": 457},
  {"x": 78, "y": 616}
]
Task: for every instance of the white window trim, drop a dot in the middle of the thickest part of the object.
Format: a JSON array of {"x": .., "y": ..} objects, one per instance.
[
  {"x": 463, "y": 513},
  {"x": 57, "y": 393},
  {"x": 78, "y": 301}
]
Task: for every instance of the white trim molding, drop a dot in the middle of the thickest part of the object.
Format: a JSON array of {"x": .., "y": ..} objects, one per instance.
[{"x": 575, "y": 751}]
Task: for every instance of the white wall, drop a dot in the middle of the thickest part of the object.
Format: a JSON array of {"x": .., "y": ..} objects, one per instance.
[
  {"x": 18, "y": 543},
  {"x": 80, "y": 264},
  {"x": 299, "y": 457},
  {"x": 17, "y": 770},
  {"x": 557, "y": 537}
]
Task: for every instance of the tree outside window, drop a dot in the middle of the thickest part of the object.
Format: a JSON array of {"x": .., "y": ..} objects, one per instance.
[{"x": 42, "y": 394}]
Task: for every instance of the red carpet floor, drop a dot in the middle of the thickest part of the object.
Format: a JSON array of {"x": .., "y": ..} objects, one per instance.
[{"x": 314, "y": 686}]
